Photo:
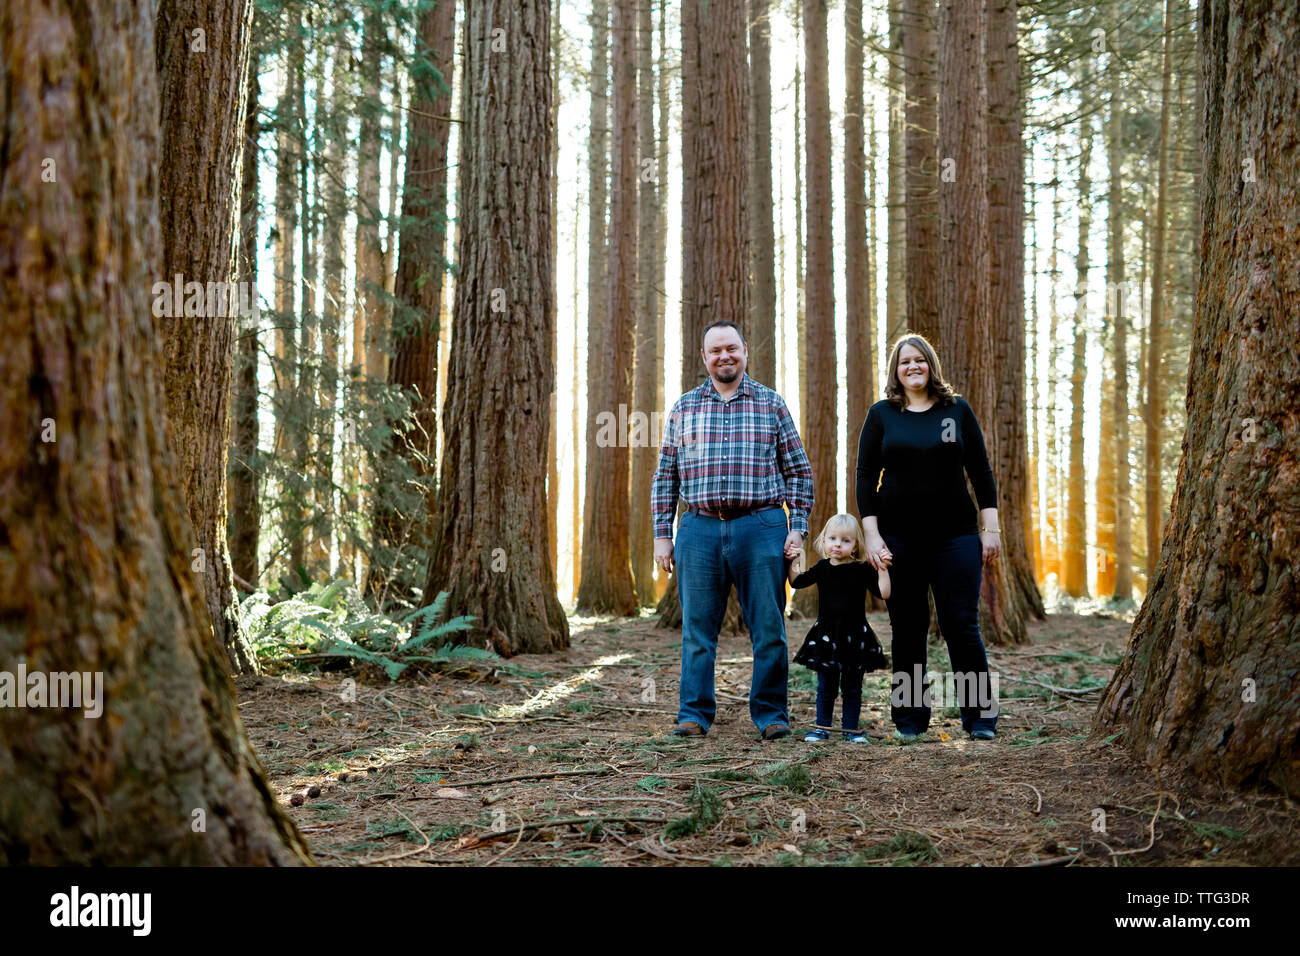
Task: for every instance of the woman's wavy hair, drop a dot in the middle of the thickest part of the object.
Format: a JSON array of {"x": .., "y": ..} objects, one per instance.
[{"x": 939, "y": 389}]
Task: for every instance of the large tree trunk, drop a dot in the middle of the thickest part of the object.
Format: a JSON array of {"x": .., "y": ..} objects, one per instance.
[
  {"x": 1006, "y": 197},
  {"x": 1208, "y": 682},
  {"x": 820, "y": 431},
  {"x": 1074, "y": 561},
  {"x": 649, "y": 337},
  {"x": 859, "y": 305},
  {"x": 923, "y": 314},
  {"x": 334, "y": 298},
  {"x": 1155, "y": 326},
  {"x": 1117, "y": 305},
  {"x": 287, "y": 146},
  {"x": 420, "y": 266},
  {"x": 715, "y": 233},
  {"x": 968, "y": 330},
  {"x": 305, "y": 394},
  {"x": 491, "y": 519},
  {"x": 761, "y": 332},
  {"x": 242, "y": 503},
  {"x": 95, "y": 545},
  {"x": 896, "y": 256},
  {"x": 607, "y": 584},
  {"x": 199, "y": 167},
  {"x": 552, "y": 445}
]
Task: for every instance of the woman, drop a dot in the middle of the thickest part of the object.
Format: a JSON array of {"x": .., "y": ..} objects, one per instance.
[{"x": 920, "y": 523}]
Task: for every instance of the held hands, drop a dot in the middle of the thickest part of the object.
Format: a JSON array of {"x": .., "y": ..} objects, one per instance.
[
  {"x": 878, "y": 552},
  {"x": 793, "y": 545}
]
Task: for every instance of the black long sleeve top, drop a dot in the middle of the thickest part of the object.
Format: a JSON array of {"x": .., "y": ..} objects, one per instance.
[{"x": 923, "y": 455}]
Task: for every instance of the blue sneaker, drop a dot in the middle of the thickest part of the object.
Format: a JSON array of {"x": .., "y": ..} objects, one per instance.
[
  {"x": 854, "y": 737},
  {"x": 906, "y": 736},
  {"x": 982, "y": 733},
  {"x": 816, "y": 736}
]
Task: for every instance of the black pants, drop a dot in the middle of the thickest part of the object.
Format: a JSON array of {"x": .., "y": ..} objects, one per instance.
[
  {"x": 838, "y": 680},
  {"x": 952, "y": 569}
]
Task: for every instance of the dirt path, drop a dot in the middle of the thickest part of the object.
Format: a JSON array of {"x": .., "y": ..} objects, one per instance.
[{"x": 566, "y": 759}]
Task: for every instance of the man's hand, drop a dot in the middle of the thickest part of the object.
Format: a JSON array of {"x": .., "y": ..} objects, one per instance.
[
  {"x": 793, "y": 544},
  {"x": 664, "y": 554}
]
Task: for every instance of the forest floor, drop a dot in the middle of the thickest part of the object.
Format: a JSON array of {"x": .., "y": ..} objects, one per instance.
[{"x": 567, "y": 759}]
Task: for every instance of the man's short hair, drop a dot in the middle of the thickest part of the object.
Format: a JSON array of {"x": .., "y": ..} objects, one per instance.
[{"x": 721, "y": 324}]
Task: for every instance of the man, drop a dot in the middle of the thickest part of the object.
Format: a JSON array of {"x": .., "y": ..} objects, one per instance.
[{"x": 731, "y": 451}]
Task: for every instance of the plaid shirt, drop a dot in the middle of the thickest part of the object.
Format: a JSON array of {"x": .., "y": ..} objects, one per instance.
[{"x": 740, "y": 453}]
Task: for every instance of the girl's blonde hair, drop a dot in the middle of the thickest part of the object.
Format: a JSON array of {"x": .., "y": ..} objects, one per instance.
[{"x": 847, "y": 523}]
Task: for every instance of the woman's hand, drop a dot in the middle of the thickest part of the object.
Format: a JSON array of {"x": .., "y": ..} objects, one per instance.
[
  {"x": 990, "y": 537},
  {"x": 992, "y": 545}
]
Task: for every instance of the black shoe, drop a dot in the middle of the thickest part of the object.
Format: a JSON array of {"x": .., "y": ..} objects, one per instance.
[
  {"x": 982, "y": 733},
  {"x": 775, "y": 732},
  {"x": 689, "y": 728}
]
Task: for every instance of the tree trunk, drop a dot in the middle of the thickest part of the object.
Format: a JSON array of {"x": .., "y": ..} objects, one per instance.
[
  {"x": 303, "y": 374},
  {"x": 923, "y": 314},
  {"x": 1006, "y": 201},
  {"x": 334, "y": 299},
  {"x": 607, "y": 584},
  {"x": 1075, "y": 559},
  {"x": 420, "y": 266},
  {"x": 96, "y": 572},
  {"x": 1208, "y": 681},
  {"x": 715, "y": 90},
  {"x": 199, "y": 172},
  {"x": 820, "y": 430},
  {"x": 896, "y": 256},
  {"x": 242, "y": 503},
  {"x": 801, "y": 312},
  {"x": 859, "y": 312},
  {"x": 761, "y": 333},
  {"x": 491, "y": 519},
  {"x": 1155, "y": 324},
  {"x": 1118, "y": 304},
  {"x": 649, "y": 358},
  {"x": 288, "y": 144},
  {"x": 552, "y": 446},
  {"x": 1052, "y": 479}
]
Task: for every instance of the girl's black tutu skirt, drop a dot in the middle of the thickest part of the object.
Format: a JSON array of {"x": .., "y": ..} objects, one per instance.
[{"x": 846, "y": 646}]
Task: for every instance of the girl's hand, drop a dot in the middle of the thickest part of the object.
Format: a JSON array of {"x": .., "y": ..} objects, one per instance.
[{"x": 991, "y": 542}]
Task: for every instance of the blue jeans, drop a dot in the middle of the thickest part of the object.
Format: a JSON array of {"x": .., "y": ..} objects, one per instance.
[
  {"x": 710, "y": 556},
  {"x": 839, "y": 681},
  {"x": 952, "y": 569}
]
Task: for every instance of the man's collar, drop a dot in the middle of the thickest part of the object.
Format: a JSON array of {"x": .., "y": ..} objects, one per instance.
[{"x": 746, "y": 387}]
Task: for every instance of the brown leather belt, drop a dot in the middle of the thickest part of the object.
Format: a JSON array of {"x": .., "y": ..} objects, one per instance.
[{"x": 731, "y": 514}]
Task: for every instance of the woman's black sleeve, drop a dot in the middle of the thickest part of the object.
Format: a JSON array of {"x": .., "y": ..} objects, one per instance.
[
  {"x": 872, "y": 577},
  {"x": 870, "y": 461},
  {"x": 977, "y": 460}
]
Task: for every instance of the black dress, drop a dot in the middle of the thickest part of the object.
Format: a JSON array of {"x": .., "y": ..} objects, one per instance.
[{"x": 841, "y": 636}]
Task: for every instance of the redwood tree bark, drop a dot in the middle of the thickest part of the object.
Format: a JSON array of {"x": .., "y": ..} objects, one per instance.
[
  {"x": 201, "y": 127},
  {"x": 607, "y": 585},
  {"x": 1209, "y": 679},
  {"x": 922, "y": 170},
  {"x": 762, "y": 319},
  {"x": 421, "y": 262},
  {"x": 1006, "y": 194},
  {"x": 95, "y": 542},
  {"x": 491, "y": 518},
  {"x": 242, "y": 504},
  {"x": 859, "y": 304},
  {"x": 649, "y": 316}
]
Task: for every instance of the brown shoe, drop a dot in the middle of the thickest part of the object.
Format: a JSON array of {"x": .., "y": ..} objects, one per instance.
[
  {"x": 689, "y": 728},
  {"x": 775, "y": 731}
]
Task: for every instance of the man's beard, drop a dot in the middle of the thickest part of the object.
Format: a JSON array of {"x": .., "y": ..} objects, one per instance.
[{"x": 727, "y": 373}]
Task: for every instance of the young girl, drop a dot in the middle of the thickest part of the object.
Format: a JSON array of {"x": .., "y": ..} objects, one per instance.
[{"x": 841, "y": 646}]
